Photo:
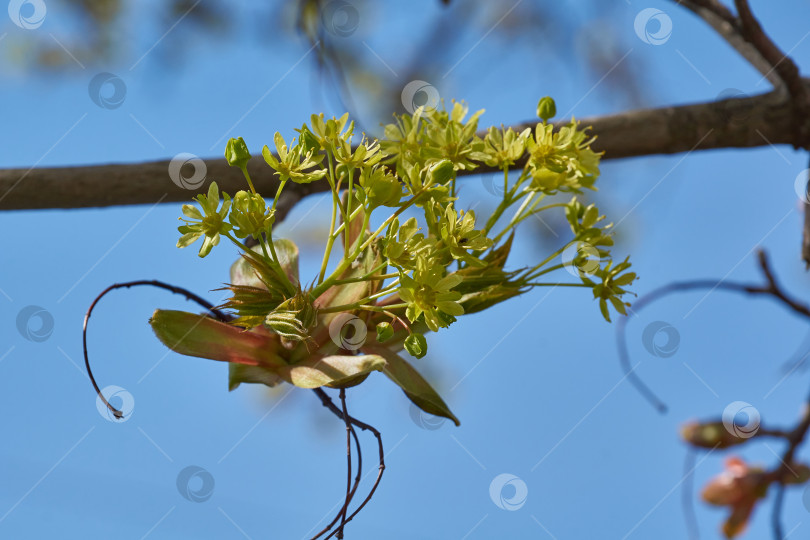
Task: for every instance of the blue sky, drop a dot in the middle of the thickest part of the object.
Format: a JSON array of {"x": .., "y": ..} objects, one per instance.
[{"x": 535, "y": 381}]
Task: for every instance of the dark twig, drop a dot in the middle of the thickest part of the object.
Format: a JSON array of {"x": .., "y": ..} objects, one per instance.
[
  {"x": 354, "y": 487},
  {"x": 687, "y": 499},
  {"x": 795, "y": 439},
  {"x": 806, "y": 226},
  {"x": 327, "y": 402},
  {"x": 152, "y": 283},
  {"x": 345, "y": 508},
  {"x": 776, "y": 512},
  {"x": 726, "y": 24},
  {"x": 771, "y": 288}
]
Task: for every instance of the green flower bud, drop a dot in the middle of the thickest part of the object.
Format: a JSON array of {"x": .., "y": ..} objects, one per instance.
[
  {"x": 546, "y": 109},
  {"x": 384, "y": 331},
  {"x": 236, "y": 153},
  {"x": 442, "y": 172},
  {"x": 416, "y": 345},
  {"x": 309, "y": 142},
  {"x": 709, "y": 435},
  {"x": 292, "y": 320}
]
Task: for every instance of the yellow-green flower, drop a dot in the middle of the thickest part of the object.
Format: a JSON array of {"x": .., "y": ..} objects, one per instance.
[
  {"x": 250, "y": 216},
  {"x": 367, "y": 153},
  {"x": 292, "y": 163},
  {"x": 210, "y": 225},
  {"x": 448, "y": 136},
  {"x": 429, "y": 294},
  {"x": 459, "y": 235},
  {"x": 562, "y": 160},
  {"x": 501, "y": 147},
  {"x": 404, "y": 244}
]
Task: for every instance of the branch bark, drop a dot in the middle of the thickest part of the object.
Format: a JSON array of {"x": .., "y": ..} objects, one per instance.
[
  {"x": 765, "y": 119},
  {"x": 727, "y": 26}
]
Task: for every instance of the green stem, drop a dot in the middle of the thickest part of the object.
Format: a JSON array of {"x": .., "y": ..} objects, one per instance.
[
  {"x": 533, "y": 210},
  {"x": 278, "y": 194},
  {"x": 247, "y": 177},
  {"x": 505, "y": 203},
  {"x": 560, "y": 285},
  {"x": 367, "y": 277},
  {"x": 323, "y": 285},
  {"x": 348, "y": 212}
]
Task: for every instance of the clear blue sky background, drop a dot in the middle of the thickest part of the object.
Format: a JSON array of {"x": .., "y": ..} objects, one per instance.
[{"x": 542, "y": 395}]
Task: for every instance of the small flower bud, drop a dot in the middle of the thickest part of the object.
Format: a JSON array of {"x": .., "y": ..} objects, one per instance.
[
  {"x": 236, "y": 153},
  {"x": 442, "y": 172},
  {"x": 416, "y": 345},
  {"x": 709, "y": 435},
  {"x": 384, "y": 331},
  {"x": 546, "y": 109}
]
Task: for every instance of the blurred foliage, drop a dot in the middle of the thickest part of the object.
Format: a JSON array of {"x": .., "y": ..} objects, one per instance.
[{"x": 108, "y": 32}]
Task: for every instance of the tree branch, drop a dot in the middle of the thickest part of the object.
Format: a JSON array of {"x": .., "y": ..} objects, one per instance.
[
  {"x": 769, "y": 119},
  {"x": 770, "y": 288},
  {"x": 727, "y": 26}
]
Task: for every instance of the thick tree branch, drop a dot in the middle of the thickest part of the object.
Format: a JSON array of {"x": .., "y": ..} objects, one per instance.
[{"x": 756, "y": 121}]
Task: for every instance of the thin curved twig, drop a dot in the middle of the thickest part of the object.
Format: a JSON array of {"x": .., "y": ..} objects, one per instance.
[
  {"x": 326, "y": 401},
  {"x": 770, "y": 288},
  {"x": 354, "y": 487},
  {"x": 687, "y": 500},
  {"x": 345, "y": 508},
  {"x": 219, "y": 315}
]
